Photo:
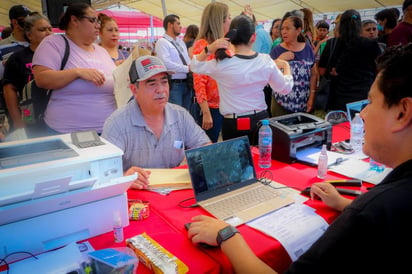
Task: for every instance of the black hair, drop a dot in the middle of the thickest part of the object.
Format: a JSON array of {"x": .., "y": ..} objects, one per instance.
[
  {"x": 394, "y": 73},
  {"x": 349, "y": 26},
  {"x": 406, "y": 4},
  {"x": 322, "y": 24},
  {"x": 297, "y": 23},
  {"x": 171, "y": 18},
  {"x": 273, "y": 23},
  {"x": 389, "y": 15},
  {"x": 77, "y": 9},
  {"x": 240, "y": 31}
]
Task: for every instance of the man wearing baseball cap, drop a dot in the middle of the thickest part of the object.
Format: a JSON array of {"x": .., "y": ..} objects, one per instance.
[
  {"x": 151, "y": 132},
  {"x": 16, "y": 14}
]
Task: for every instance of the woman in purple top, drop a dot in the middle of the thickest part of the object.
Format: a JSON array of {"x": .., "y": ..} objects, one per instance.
[{"x": 83, "y": 94}]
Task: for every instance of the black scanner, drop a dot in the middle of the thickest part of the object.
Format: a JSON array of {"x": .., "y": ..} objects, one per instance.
[{"x": 298, "y": 131}]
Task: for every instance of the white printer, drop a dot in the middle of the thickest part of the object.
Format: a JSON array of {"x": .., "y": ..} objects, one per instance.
[{"x": 53, "y": 192}]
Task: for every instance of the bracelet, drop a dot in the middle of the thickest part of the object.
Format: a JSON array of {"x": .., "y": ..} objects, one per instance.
[{"x": 313, "y": 90}]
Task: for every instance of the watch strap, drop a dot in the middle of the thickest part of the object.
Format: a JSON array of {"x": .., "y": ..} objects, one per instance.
[{"x": 225, "y": 234}]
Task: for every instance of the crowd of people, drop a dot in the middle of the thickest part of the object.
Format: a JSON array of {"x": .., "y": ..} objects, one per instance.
[{"x": 222, "y": 79}]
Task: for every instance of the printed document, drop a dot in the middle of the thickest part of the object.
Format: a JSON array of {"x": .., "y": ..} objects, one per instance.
[{"x": 296, "y": 227}]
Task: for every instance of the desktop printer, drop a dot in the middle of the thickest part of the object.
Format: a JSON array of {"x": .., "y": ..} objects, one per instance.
[
  {"x": 298, "y": 131},
  {"x": 52, "y": 192}
]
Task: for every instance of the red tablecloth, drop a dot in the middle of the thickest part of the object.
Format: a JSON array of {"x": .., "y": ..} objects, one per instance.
[{"x": 167, "y": 218}]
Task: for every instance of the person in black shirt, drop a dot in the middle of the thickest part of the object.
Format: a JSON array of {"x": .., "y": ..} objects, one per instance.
[
  {"x": 352, "y": 63},
  {"x": 18, "y": 67}
]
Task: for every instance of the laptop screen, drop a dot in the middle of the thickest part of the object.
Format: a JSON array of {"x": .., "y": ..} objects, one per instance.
[
  {"x": 355, "y": 107},
  {"x": 220, "y": 167}
]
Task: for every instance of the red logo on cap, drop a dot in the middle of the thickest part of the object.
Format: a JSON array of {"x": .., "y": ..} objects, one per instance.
[{"x": 145, "y": 62}]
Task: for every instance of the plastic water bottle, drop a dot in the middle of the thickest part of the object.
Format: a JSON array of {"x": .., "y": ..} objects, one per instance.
[
  {"x": 376, "y": 166},
  {"x": 265, "y": 145},
  {"x": 323, "y": 163},
  {"x": 356, "y": 133}
]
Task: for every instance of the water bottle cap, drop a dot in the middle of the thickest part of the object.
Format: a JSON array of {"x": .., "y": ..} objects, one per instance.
[{"x": 265, "y": 122}]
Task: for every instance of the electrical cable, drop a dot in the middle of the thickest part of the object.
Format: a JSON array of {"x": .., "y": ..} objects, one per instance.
[
  {"x": 265, "y": 177},
  {"x": 13, "y": 253},
  {"x": 189, "y": 206}
]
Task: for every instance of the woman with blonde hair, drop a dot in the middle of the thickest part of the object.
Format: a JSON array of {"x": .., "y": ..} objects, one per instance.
[{"x": 214, "y": 24}]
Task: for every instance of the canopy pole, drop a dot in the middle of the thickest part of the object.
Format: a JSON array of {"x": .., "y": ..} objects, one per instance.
[{"x": 164, "y": 8}]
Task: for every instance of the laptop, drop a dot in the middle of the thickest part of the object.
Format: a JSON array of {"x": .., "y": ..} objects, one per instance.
[
  {"x": 355, "y": 107},
  {"x": 225, "y": 184}
]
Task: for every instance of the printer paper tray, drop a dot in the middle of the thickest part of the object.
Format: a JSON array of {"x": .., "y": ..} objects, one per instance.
[{"x": 35, "y": 207}]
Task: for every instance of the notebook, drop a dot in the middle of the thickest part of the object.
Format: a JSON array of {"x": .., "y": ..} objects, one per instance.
[{"x": 225, "y": 184}]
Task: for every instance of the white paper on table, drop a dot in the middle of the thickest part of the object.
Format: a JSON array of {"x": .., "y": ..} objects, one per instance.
[
  {"x": 296, "y": 227},
  {"x": 359, "y": 169}
]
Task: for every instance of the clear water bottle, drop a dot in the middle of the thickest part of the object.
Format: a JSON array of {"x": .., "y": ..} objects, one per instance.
[
  {"x": 323, "y": 163},
  {"x": 376, "y": 166},
  {"x": 265, "y": 145},
  {"x": 356, "y": 133}
]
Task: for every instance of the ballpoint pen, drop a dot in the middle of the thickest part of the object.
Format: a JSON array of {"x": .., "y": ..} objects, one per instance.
[{"x": 338, "y": 161}]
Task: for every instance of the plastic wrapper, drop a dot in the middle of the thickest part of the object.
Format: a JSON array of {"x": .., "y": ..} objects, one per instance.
[{"x": 154, "y": 256}]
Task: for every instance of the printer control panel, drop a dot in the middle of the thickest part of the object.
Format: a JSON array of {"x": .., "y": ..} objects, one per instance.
[{"x": 84, "y": 139}]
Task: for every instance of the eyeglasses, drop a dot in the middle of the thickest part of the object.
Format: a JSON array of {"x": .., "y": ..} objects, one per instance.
[
  {"x": 369, "y": 29},
  {"x": 93, "y": 20}
]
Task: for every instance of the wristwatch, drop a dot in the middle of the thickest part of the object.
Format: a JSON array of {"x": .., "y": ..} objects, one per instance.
[{"x": 225, "y": 234}]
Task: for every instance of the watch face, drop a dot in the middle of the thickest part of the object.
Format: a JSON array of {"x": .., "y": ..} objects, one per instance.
[{"x": 226, "y": 232}]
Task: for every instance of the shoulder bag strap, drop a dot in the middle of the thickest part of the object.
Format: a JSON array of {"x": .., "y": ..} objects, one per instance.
[
  {"x": 66, "y": 53},
  {"x": 180, "y": 54},
  {"x": 64, "y": 60}
]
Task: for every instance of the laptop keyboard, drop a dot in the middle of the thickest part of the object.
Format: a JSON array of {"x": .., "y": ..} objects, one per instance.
[{"x": 228, "y": 206}]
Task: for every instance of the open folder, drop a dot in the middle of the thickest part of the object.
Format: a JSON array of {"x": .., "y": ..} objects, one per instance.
[{"x": 175, "y": 178}]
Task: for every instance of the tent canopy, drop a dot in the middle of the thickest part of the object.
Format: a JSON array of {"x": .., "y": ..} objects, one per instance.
[
  {"x": 133, "y": 19},
  {"x": 190, "y": 10}
]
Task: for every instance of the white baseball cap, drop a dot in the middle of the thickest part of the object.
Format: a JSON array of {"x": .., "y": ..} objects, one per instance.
[{"x": 145, "y": 67}]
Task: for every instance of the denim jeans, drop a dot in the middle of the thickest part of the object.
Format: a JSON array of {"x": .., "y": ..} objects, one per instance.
[
  {"x": 217, "y": 118},
  {"x": 181, "y": 95}
]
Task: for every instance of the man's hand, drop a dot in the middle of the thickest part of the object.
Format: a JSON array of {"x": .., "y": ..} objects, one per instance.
[
  {"x": 329, "y": 195},
  {"x": 142, "y": 181}
]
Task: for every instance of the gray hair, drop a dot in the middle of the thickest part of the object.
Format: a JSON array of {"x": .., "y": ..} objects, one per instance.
[{"x": 30, "y": 20}]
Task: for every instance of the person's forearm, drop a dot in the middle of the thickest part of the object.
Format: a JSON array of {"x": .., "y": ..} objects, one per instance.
[
  {"x": 12, "y": 103},
  {"x": 242, "y": 257},
  {"x": 54, "y": 79}
]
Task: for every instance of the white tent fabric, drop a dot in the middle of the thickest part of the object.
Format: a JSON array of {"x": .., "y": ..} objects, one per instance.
[{"x": 190, "y": 10}]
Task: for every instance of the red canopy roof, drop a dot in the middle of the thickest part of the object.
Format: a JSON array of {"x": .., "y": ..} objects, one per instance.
[{"x": 133, "y": 18}]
